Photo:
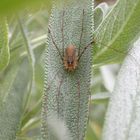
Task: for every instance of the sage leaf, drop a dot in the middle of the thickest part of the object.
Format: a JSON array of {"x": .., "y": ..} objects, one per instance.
[{"x": 66, "y": 93}]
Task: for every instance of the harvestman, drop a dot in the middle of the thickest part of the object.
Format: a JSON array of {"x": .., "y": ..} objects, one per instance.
[{"x": 69, "y": 58}]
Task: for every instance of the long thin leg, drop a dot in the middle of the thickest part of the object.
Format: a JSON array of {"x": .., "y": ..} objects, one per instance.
[
  {"x": 125, "y": 53},
  {"x": 92, "y": 42},
  {"x": 81, "y": 31},
  {"x": 58, "y": 95},
  {"x": 50, "y": 84},
  {"x": 55, "y": 44},
  {"x": 80, "y": 54},
  {"x": 62, "y": 30},
  {"x": 113, "y": 49},
  {"x": 78, "y": 113}
]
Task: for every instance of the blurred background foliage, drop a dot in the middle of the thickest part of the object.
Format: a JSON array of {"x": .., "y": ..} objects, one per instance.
[{"x": 28, "y": 27}]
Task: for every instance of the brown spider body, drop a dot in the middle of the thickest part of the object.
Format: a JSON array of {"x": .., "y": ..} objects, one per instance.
[{"x": 70, "y": 58}]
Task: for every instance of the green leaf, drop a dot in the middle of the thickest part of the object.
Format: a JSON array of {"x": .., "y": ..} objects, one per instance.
[
  {"x": 66, "y": 94},
  {"x": 99, "y": 13},
  {"x": 123, "y": 115},
  {"x": 11, "y": 105},
  {"x": 4, "y": 46},
  {"x": 90, "y": 133},
  {"x": 119, "y": 29},
  {"x": 98, "y": 16}
]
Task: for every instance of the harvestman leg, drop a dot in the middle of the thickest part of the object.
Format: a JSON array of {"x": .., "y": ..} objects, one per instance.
[
  {"x": 81, "y": 31},
  {"x": 62, "y": 30},
  {"x": 80, "y": 54},
  {"x": 53, "y": 41},
  {"x": 78, "y": 81},
  {"x": 59, "y": 93},
  {"x": 62, "y": 56},
  {"x": 51, "y": 35},
  {"x": 124, "y": 53},
  {"x": 89, "y": 45},
  {"x": 61, "y": 81}
]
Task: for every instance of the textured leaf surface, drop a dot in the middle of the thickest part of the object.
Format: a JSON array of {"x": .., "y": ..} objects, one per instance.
[
  {"x": 67, "y": 93},
  {"x": 11, "y": 104},
  {"x": 98, "y": 17},
  {"x": 119, "y": 29},
  {"x": 4, "y": 48},
  {"x": 99, "y": 13},
  {"x": 123, "y": 116}
]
